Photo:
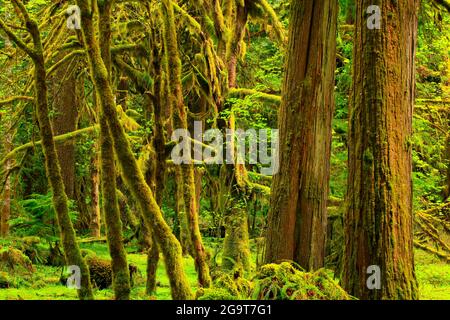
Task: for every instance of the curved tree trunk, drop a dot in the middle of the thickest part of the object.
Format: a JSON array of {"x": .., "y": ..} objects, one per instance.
[
  {"x": 176, "y": 99},
  {"x": 111, "y": 212},
  {"x": 131, "y": 173},
  {"x": 379, "y": 219},
  {"x": 60, "y": 202},
  {"x": 298, "y": 213}
]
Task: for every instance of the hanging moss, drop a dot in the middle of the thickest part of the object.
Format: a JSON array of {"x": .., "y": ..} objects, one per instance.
[
  {"x": 53, "y": 169},
  {"x": 176, "y": 98},
  {"x": 132, "y": 175}
]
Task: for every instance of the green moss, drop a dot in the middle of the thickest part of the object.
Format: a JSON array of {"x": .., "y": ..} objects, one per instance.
[
  {"x": 216, "y": 294},
  {"x": 227, "y": 286},
  {"x": 5, "y": 281},
  {"x": 285, "y": 282}
]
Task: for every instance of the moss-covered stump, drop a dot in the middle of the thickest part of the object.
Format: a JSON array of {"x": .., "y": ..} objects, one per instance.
[
  {"x": 101, "y": 270},
  {"x": 32, "y": 247},
  {"x": 227, "y": 286},
  {"x": 286, "y": 282},
  {"x": 14, "y": 261}
]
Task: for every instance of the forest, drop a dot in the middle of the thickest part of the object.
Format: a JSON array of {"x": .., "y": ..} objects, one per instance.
[{"x": 225, "y": 150}]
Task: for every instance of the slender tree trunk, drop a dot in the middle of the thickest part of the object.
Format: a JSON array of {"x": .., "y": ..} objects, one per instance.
[
  {"x": 5, "y": 204},
  {"x": 298, "y": 213},
  {"x": 233, "y": 51},
  {"x": 111, "y": 212},
  {"x": 122, "y": 93},
  {"x": 60, "y": 202},
  {"x": 95, "y": 218},
  {"x": 350, "y": 12},
  {"x": 446, "y": 191},
  {"x": 176, "y": 94},
  {"x": 65, "y": 106},
  {"x": 181, "y": 213},
  {"x": 131, "y": 173},
  {"x": 236, "y": 250},
  {"x": 379, "y": 219},
  {"x": 236, "y": 246}
]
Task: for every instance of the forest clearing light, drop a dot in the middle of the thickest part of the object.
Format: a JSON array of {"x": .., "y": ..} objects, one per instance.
[{"x": 235, "y": 147}]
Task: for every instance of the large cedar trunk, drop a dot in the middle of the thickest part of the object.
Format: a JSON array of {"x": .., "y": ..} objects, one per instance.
[
  {"x": 297, "y": 219},
  {"x": 378, "y": 219}
]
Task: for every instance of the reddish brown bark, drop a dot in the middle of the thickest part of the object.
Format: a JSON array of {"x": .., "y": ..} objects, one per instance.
[{"x": 297, "y": 219}]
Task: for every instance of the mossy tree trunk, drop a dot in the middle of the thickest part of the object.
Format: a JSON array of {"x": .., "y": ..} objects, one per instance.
[
  {"x": 132, "y": 175},
  {"x": 446, "y": 191},
  {"x": 234, "y": 45},
  {"x": 298, "y": 213},
  {"x": 379, "y": 219},
  {"x": 95, "y": 216},
  {"x": 111, "y": 212},
  {"x": 5, "y": 204},
  {"x": 236, "y": 247},
  {"x": 53, "y": 169},
  {"x": 176, "y": 99},
  {"x": 236, "y": 250}
]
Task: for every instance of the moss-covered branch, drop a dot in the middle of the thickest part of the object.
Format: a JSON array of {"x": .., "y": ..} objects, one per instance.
[
  {"x": 242, "y": 92},
  {"x": 14, "y": 99}
]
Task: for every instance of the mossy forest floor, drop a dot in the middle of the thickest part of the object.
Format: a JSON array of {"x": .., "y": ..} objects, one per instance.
[{"x": 433, "y": 276}]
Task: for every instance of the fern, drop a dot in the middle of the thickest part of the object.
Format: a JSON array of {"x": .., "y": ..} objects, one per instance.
[{"x": 38, "y": 218}]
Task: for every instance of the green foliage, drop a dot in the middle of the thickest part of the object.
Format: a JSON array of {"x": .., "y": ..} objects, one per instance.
[
  {"x": 433, "y": 53},
  {"x": 38, "y": 218}
]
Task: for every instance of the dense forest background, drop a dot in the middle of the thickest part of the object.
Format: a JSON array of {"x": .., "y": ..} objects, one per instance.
[{"x": 91, "y": 95}]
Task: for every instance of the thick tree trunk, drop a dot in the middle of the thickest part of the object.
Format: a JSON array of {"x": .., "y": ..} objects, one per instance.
[
  {"x": 379, "y": 219},
  {"x": 298, "y": 214},
  {"x": 236, "y": 250},
  {"x": 131, "y": 173}
]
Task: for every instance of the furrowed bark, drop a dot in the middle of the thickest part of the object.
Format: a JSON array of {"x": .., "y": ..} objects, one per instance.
[
  {"x": 298, "y": 214},
  {"x": 378, "y": 218}
]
